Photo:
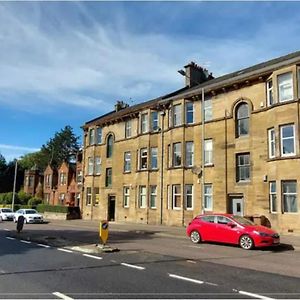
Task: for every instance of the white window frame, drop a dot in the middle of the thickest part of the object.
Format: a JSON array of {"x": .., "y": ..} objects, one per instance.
[
  {"x": 153, "y": 157},
  {"x": 128, "y": 129},
  {"x": 189, "y": 154},
  {"x": 99, "y": 135},
  {"x": 270, "y": 95},
  {"x": 154, "y": 121},
  {"x": 189, "y": 109},
  {"x": 62, "y": 178},
  {"x": 142, "y": 196},
  {"x": 96, "y": 196},
  {"x": 284, "y": 85},
  {"x": 273, "y": 197},
  {"x": 208, "y": 197},
  {"x": 92, "y": 136},
  {"x": 176, "y": 194},
  {"x": 126, "y": 196},
  {"x": 288, "y": 194},
  {"x": 88, "y": 196},
  {"x": 127, "y": 162},
  {"x": 90, "y": 166},
  {"x": 62, "y": 198},
  {"x": 239, "y": 167},
  {"x": 191, "y": 195},
  {"x": 153, "y": 196},
  {"x": 207, "y": 109},
  {"x": 177, "y": 153},
  {"x": 97, "y": 165},
  {"x": 282, "y": 139},
  {"x": 144, "y": 123},
  {"x": 208, "y": 152},
  {"x": 272, "y": 142},
  {"x": 177, "y": 115},
  {"x": 143, "y": 156}
]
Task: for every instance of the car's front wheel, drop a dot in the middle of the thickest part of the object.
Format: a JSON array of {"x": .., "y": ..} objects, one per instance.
[
  {"x": 246, "y": 242},
  {"x": 195, "y": 237}
]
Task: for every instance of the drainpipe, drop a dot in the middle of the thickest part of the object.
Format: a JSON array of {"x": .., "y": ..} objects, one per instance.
[
  {"x": 162, "y": 113},
  {"x": 203, "y": 151}
]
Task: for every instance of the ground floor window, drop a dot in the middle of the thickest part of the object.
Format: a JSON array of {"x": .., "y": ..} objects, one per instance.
[
  {"x": 153, "y": 195},
  {"x": 208, "y": 197},
  {"x": 142, "y": 196},
  {"x": 96, "y": 196},
  {"x": 126, "y": 196},
  {"x": 289, "y": 196},
  {"x": 88, "y": 196},
  {"x": 189, "y": 196},
  {"x": 62, "y": 197},
  {"x": 176, "y": 196},
  {"x": 273, "y": 196}
]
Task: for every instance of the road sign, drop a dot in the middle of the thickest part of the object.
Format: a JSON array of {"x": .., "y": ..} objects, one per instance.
[{"x": 103, "y": 231}]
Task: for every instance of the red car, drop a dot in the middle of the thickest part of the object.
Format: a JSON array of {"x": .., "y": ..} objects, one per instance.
[{"x": 231, "y": 229}]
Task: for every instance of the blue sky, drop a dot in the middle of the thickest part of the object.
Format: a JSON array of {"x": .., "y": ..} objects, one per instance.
[{"x": 64, "y": 63}]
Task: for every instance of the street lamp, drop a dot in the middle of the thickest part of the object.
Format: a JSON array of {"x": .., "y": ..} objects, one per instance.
[
  {"x": 14, "y": 188},
  {"x": 183, "y": 73}
]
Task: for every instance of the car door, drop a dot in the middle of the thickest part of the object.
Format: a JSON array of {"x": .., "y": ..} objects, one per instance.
[
  {"x": 226, "y": 233},
  {"x": 207, "y": 227}
]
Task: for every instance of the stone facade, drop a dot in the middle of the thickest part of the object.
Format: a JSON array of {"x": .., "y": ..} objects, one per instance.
[{"x": 159, "y": 163}]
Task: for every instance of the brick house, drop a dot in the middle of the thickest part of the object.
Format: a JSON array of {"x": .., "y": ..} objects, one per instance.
[
  {"x": 226, "y": 144},
  {"x": 50, "y": 184},
  {"x": 33, "y": 180}
]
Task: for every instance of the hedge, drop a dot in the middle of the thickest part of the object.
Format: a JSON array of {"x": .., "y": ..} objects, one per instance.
[{"x": 51, "y": 208}]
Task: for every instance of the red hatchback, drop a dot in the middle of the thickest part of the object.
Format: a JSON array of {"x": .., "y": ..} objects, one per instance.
[{"x": 231, "y": 229}]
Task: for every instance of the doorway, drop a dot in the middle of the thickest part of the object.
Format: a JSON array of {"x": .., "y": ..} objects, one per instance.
[
  {"x": 237, "y": 206},
  {"x": 111, "y": 207}
]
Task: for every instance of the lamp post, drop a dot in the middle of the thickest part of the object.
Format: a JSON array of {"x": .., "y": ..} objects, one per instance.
[
  {"x": 14, "y": 188},
  {"x": 183, "y": 73}
]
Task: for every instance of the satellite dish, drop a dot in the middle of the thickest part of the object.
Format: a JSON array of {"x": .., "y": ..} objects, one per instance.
[{"x": 197, "y": 170}]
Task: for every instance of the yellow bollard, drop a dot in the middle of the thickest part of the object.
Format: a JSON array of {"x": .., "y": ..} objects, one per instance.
[{"x": 103, "y": 231}]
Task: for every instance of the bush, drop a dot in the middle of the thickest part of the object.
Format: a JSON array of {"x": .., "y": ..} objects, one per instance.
[
  {"x": 51, "y": 208},
  {"x": 6, "y": 198},
  {"x": 33, "y": 202},
  {"x": 23, "y": 197}
]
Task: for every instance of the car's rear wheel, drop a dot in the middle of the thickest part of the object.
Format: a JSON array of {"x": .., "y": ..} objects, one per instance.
[
  {"x": 195, "y": 237},
  {"x": 246, "y": 242}
]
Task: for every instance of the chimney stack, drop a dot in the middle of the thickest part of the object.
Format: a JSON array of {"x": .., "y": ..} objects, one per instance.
[
  {"x": 120, "y": 105},
  {"x": 196, "y": 74}
]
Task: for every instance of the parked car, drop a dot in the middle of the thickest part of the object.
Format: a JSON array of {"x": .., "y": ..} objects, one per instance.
[
  {"x": 6, "y": 214},
  {"x": 30, "y": 215},
  {"x": 231, "y": 229}
]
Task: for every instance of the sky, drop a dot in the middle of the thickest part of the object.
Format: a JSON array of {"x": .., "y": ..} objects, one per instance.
[{"x": 65, "y": 63}]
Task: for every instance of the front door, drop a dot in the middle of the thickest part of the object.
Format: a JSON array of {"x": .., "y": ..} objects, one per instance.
[
  {"x": 111, "y": 207},
  {"x": 238, "y": 206}
]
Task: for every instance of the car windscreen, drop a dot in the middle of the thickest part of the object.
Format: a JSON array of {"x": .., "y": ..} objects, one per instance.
[
  {"x": 242, "y": 220},
  {"x": 31, "y": 211},
  {"x": 6, "y": 210}
]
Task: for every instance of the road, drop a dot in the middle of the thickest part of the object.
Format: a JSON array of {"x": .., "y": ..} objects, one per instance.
[{"x": 34, "y": 271}]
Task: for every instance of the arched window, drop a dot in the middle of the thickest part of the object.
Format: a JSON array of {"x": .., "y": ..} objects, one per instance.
[
  {"x": 242, "y": 120},
  {"x": 110, "y": 144}
]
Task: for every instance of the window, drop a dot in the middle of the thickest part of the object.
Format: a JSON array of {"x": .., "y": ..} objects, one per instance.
[
  {"x": 96, "y": 196},
  {"x": 176, "y": 196},
  {"x": 97, "y": 165},
  {"x": 285, "y": 87},
  {"x": 99, "y": 135},
  {"x": 177, "y": 154},
  {"x": 208, "y": 152},
  {"x": 142, "y": 196},
  {"x": 189, "y": 196},
  {"x": 153, "y": 195},
  {"x": 272, "y": 145},
  {"x": 62, "y": 178},
  {"x": 270, "y": 99},
  {"x": 126, "y": 196},
  {"x": 208, "y": 197},
  {"x": 189, "y": 154},
  {"x": 289, "y": 196},
  {"x": 90, "y": 166},
  {"x": 92, "y": 136},
  {"x": 79, "y": 177},
  {"x": 177, "y": 115},
  {"x": 48, "y": 180},
  {"x": 207, "y": 110},
  {"x": 144, "y": 123},
  {"x": 189, "y": 112},
  {"x": 128, "y": 129},
  {"x": 62, "y": 197},
  {"x": 78, "y": 196},
  {"x": 287, "y": 134},
  {"x": 273, "y": 196},
  {"x": 298, "y": 75},
  {"x": 47, "y": 198},
  {"x": 223, "y": 220},
  {"x": 127, "y": 162},
  {"x": 143, "y": 158},
  {"x": 170, "y": 119},
  {"x": 153, "y": 155},
  {"x": 88, "y": 196},
  {"x": 30, "y": 181},
  {"x": 154, "y": 121},
  {"x": 110, "y": 144},
  {"x": 108, "y": 177},
  {"x": 243, "y": 167},
  {"x": 242, "y": 120}
]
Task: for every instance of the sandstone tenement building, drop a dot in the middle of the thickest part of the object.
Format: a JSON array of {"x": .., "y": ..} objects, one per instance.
[{"x": 226, "y": 144}]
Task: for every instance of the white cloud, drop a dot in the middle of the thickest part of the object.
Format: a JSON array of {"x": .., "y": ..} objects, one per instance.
[{"x": 11, "y": 152}]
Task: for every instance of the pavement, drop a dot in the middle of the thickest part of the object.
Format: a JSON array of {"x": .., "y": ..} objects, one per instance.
[{"x": 83, "y": 235}]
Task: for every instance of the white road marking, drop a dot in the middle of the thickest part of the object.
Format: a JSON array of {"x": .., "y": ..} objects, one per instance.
[
  {"x": 255, "y": 295},
  {"x": 42, "y": 245},
  {"x": 25, "y": 242},
  {"x": 92, "y": 256},
  {"x": 194, "y": 246},
  {"x": 132, "y": 266},
  {"x": 65, "y": 250},
  {"x": 61, "y": 296},
  {"x": 191, "y": 261},
  {"x": 6, "y": 229},
  {"x": 10, "y": 238},
  {"x": 186, "y": 278}
]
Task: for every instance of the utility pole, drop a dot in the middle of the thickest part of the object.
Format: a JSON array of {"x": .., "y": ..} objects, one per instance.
[{"x": 14, "y": 188}]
